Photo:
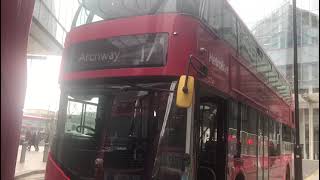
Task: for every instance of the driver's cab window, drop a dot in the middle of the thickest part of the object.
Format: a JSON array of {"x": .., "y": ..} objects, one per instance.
[{"x": 81, "y": 115}]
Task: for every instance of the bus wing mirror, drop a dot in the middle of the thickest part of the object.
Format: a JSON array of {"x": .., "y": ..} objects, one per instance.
[{"x": 185, "y": 91}]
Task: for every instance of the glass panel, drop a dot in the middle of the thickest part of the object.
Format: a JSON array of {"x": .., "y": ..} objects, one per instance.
[
  {"x": 90, "y": 116},
  {"x": 216, "y": 13},
  {"x": 275, "y": 41},
  {"x": 271, "y": 28},
  {"x": 316, "y": 133},
  {"x": 315, "y": 71},
  {"x": 210, "y": 141},
  {"x": 305, "y": 72},
  {"x": 74, "y": 115},
  {"x": 305, "y": 18},
  {"x": 247, "y": 45},
  {"x": 286, "y": 140},
  {"x": 273, "y": 149},
  {"x": 302, "y": 91},
  {"x": 228, "y": 31},
  {"x": 274, "y": 74},
  {"x": 81, "y": 116},
  {"x": 263, "y": 67},
  {"x": 306, "y": 120},
  {"x": 96, "y": 18},
  {"x": 315, "y": 21},
  {"x": 105, "y": 10},
  {"x": 249, "y": 140},
  {"x": 282, "y": 40},
  {"x": 186, "y": 6},
  {"x": 122, "y": 124},
  {"x": 232, "y": 136},
  {"x": 172, "y": 147},
  {"x": 83, "y": 15}
]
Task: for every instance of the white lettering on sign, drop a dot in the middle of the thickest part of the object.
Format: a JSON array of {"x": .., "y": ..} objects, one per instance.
[
  {"x": 218, "y": 63},
  {"x": 100, "y": 57}
]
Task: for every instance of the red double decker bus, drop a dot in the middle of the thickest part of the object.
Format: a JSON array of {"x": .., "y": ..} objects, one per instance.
[{"x": 169, "y": 90}]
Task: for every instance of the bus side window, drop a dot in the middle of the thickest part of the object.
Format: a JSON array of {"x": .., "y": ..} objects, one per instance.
[
  {"x": 278, "y": 130},
  {"x": 271, "y": 138},
  {"x": 248, "y": 130},
  {"x": 233, "y": 129},
  {"x": 204, "y": 10},
  {"x": 216, "y": 12},
  {"x": 74, "y": 111},
  {"x": 189, "y": 6},
  {"x": 274, "y": 138}
]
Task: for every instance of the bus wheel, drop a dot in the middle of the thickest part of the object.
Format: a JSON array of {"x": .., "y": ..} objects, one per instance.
[
  {"x": 288, "y": 174},
  {"x": 240, "y": 177}
]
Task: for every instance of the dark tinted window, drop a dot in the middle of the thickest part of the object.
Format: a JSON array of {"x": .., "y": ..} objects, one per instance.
[
  {"x": 232, "y": 132},
  {"x": 188, "y": 6},
  {"x": 274, "y": 138},
  {"x": 248, "y": 130},
  {"x": 314, "y": 21},
  {"x": 287, "y": 146},
  {"x": 286, "y": 133}
]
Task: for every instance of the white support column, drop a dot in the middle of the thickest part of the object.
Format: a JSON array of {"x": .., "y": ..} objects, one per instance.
[{"x": 311, "y": 131}]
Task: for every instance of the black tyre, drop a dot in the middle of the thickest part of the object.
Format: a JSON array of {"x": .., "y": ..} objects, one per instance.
[{"x": 240, "y": 177}]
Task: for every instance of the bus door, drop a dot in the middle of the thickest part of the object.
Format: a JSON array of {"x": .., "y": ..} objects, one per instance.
[
  {"x": 212, "y": 118},
  {"x": 275, "y": 171},
  {"x": 262, "y": 148}
]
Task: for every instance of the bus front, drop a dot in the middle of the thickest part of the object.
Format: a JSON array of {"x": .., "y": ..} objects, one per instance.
[{"x": 117, "y": 117}]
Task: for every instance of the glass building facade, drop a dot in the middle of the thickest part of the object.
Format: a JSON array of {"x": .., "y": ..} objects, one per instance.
[
  {"x": 56, "y": 16},
  {"x": 275, "y": 34}
]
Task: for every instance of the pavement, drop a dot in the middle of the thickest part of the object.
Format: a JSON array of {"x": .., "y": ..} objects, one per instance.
[
  {"x": 33, "y": 168},
  {"x": 310, "y": 169},
  {"x": 314, "y": 176},
  {"x": 33, "y": 177}
]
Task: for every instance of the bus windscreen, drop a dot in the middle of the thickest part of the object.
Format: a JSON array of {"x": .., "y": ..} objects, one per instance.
[{"x": 120, "y": 125}]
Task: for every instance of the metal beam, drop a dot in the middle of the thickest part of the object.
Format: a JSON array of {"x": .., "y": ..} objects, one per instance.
[{"x": 297, "y": 149}]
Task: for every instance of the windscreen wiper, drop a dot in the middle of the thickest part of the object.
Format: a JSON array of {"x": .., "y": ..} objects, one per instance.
[
  {"x": 136, "y": 87},
  {"x": 147, "y": 88}
]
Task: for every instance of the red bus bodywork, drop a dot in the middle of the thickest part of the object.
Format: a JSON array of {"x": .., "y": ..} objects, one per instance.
[
  {"x": 227, "y": 72},
  {"x": 28, "y": 123}
]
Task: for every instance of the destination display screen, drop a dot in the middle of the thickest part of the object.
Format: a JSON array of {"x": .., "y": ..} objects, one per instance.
[{"x": 147, "y": 50}]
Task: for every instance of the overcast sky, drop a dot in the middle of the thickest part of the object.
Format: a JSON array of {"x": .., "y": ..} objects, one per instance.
[
  {"x": 251, "y": 11},
  {"x": 42, "y": 84}
]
